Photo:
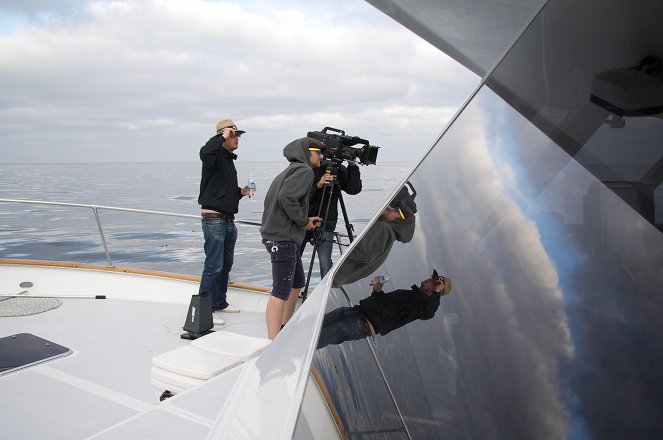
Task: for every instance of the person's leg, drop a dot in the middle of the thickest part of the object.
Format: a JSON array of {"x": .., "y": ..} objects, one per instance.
[
  {"x": 340, "y": 325},
  {"x": 298, "y": 281},
  {"x": 228, "y": 258},
  {"x": 283, "y": 255},
  {"x": 274, "y": 314},
  {"x": 325, "y": 251},
  {"x": 290, "y": 305},
  {"x": 330, "y": 331},
  {"x": 214, "y": 234}
]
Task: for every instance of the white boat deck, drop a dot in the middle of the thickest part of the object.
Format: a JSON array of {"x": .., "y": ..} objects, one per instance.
[{"x": 105, "y": 382}]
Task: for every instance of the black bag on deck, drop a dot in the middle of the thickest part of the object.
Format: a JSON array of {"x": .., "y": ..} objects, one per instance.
[{"x": 199, "y": 317}]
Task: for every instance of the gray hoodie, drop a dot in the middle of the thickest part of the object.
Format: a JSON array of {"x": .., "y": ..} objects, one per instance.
[
  {"x": 373, "y": 249},
  {"x": 286, "y": 203}
]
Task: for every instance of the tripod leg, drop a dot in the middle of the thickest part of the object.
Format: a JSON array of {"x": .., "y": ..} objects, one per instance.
[
  {"x": 348, "y": 226},
  {"x": 327, "y": 193},
  {"x": 308, "y": 277}
]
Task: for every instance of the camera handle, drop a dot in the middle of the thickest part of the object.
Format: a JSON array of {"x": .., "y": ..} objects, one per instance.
[{"x": 327, "y": 193}]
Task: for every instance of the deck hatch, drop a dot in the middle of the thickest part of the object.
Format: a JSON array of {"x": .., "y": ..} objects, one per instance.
[{"x": 23, "y": 350}]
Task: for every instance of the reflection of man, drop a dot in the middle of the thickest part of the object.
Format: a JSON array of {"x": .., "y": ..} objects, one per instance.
[
  {"x": 324, "y": 200},
  {"x": 383, "y": 312},
  {"x": 219, "y": 197},
  {"x": 284, "y": 222},
  {"x": 396, "y": 223}
]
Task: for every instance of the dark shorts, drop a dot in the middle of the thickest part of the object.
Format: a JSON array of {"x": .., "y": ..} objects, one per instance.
[{"x": 287, "y": 269}]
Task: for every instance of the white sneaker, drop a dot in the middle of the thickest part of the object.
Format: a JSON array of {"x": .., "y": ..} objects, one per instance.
[
  {"x": 229, "y": 309},
  {"x": 216, "y": 319}
]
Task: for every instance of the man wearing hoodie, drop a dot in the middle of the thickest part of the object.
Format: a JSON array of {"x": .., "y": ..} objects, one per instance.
[{"x": 284, "y": 222}]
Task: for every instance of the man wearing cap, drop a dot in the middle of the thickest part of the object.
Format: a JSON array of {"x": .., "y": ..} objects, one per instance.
[
  {"x": 219, "y": 198},
  {"x": 383, "y": 312},
  {"x": 285, "y": 220}
]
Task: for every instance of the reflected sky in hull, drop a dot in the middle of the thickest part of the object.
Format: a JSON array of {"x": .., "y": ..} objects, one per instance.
[
  {"x": 540, "y": 204},
  {"x": 547, "y": 291}
]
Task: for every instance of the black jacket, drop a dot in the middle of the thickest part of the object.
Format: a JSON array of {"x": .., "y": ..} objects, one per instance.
[
  {"x": 218, "y": 181},
  {"x": 389, "y": 311},
  {"x": 349, "y": 180}
]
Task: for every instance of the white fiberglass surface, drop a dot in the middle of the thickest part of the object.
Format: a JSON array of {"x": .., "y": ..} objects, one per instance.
[
  {"x": 268, "y": 393},
  {"x": 105, "y": 384}
]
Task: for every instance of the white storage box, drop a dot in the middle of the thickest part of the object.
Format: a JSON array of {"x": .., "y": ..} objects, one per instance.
[
  {"x": 195, "y": 362},
  {"x": 172, "y": 381},
  {"x": 232, "y": 344}
]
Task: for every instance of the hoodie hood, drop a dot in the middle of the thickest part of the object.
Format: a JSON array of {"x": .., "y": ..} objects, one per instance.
[
  {"x": 285, "y": 211},
  {"x": 403, "y": 230},
  {"x": 373, "y": 249},
  {"x": 297, "y": 151}
]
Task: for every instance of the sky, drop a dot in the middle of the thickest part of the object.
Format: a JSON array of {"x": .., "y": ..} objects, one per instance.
[{"x": 147, "y": 80}]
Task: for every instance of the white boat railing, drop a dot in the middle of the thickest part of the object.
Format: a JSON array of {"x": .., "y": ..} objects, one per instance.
[{"x": 96, "y": 208}]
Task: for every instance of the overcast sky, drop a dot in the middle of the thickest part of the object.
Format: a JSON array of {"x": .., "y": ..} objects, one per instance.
[{"x": 147, "y": 80}]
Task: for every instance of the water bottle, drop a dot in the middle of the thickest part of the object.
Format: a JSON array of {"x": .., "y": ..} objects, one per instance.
[
  {"x": 380, "y": 279},
  {"x": 252, "y": 186}
]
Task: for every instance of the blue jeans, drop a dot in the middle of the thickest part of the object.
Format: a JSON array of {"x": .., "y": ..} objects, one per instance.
[
  {"x": 324, "y": 252},
  {"x": 340, "y": 325},
  {"x": 220, "y": 238}
]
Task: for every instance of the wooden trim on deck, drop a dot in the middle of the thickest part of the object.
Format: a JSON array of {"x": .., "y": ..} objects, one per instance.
[
  {"x": 330, "y": 404},
  {"x": 154, "y": 273}
]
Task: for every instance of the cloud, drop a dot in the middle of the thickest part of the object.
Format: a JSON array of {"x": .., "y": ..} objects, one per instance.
[
  {"x": 511, "y": 328},
  {"x": 35, "y": 7},
  {"x": 147, "y": 80}
]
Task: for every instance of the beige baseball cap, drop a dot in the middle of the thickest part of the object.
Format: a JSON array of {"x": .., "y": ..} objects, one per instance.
[
  {"x": 228, "y": 123},
  {"x": 447, "y": 282}
]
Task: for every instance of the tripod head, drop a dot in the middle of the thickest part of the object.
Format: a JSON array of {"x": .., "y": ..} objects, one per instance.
[{"x": 332, "y": 167}]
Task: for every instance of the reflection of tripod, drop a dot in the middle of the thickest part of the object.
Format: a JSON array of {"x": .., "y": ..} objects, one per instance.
[{"x": 318, "y": 238}]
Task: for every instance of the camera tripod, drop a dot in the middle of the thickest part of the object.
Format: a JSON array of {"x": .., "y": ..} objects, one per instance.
[{"x": 317, "y": 239}]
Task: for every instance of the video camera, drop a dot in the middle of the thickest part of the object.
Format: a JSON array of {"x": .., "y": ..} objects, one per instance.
[
  {"x": 404, "y": 201},
  {"x": 339, "y": 147}
]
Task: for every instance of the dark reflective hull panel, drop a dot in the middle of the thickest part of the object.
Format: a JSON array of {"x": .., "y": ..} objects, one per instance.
[{"x": 541, "y": 208}]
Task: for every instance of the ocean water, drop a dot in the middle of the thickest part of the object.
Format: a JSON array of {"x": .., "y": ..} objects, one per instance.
[{"x": 149, "y": 241}]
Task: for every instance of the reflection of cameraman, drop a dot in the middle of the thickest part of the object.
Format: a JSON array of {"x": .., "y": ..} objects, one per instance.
[
  {"x": 348, "y": 180},
  {"x": 396, "y": 223}
]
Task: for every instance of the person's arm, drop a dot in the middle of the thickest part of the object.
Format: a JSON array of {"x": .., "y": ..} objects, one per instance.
[
  {"x": 431, "y": 306},
  {"x": 317, "y": 191},
  {"x": 294, "y": 187},
  {"x": 211, "y": 151},
  {"x": 350, "y": 178}
]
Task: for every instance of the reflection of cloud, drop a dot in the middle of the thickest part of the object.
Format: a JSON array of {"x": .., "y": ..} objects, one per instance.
[
  {"x": 512, "y": 331},
  {"x": 513, "y": 323}
]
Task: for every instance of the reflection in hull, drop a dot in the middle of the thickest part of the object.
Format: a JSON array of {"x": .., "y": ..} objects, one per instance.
[{"x": 529, "y": 202}]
